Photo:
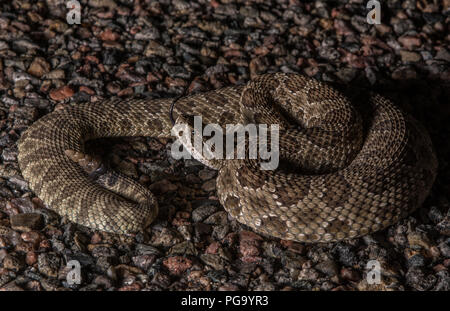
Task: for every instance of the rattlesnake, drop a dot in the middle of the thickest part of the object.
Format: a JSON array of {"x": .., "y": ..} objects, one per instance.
[{"x": 346, "y": 173}]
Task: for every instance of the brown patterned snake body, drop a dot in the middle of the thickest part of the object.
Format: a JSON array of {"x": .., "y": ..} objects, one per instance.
[{"x": 352, "y": 176}]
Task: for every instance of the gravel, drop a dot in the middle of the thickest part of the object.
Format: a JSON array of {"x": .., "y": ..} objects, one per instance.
[{"x": 158, "y": 49}]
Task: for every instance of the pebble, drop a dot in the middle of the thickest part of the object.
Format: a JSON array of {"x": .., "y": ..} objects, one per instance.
[
  {"x": 23, "y": 205},
  {"x": 32, "y": 237},
  {"x": 122, "y": 50},
  {"x": 419, "y": 280},
  {"x": 177, "y": 264},
  {"x": 207, "y": 174},
  {"x": 209, "y": 186},
  {"x": 219, "y": 218},
  {"x": 163, "y": 186},
  {"x": 62, "y": 93},
  {"x": 410, "y": 42},
  {"x": 31, "y": 258},
  {"x": 13, "y": 263},
  {"x": 410, "y": 56},
  {"x": 213, "y": 260},
  {"x": 26, "y": 222},
  {"x": 143, "y": 249},
  {"x": 202, "y": 212},
  {"x": 56, "y": 74},
  {"x": 350, "y": 274},
  {"x": 183, "y": 248},
  {"x": 404, "y": 73},
  {"x": 328, "y": 267},
  {"x": 103, "y": 281},
  {"x": 416, "y": 260},
  {"x": 154, "y": 48},
  {"x": 49, "y": 264},
  {"x": 444, "y": 226},
  {"x": 167, "y": 238},
  {"x": 12, "y": 286}
]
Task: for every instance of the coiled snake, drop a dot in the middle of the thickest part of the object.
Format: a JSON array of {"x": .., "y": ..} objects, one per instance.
[{"x": 343, "y": 176}]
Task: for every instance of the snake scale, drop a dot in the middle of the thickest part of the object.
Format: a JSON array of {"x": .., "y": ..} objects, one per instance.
[{"x": 345, "y": 174}]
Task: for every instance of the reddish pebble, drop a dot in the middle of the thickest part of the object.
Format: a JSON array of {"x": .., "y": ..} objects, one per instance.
[
  {"x": 87, "y": 90},
  {"x": 447, "y": 262},
  {"x": 228, "y": 287},
  {"x": 96, "y": 238},
  {"x": 45, "y": 244},
  {"x": 212, "y": 248}
]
